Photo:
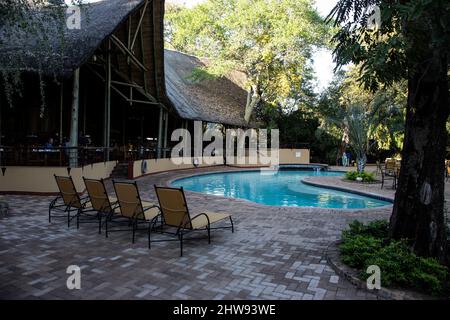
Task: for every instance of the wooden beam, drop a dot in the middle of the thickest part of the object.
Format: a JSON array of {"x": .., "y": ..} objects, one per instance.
[
  {"x": 144, "y": 74},
  {"x": 129, "y": 35},
  {"x": 122, "y": 47},
  {"x": 73, "y": 158},
  {"x": 107, "y": 113},
  {"x": 122, "y": 94},
  {"x": 126, "y": 84},
  {"x": 166, "y": 127},
  {"x": 139, "y": 25},
  {"x": 125, "y": 78},
  {"x": 61, "y": 106},
  {"x": 160, "y": 132}
]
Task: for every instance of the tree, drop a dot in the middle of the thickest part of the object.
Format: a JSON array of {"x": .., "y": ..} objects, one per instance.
[
  {"x": 410, "y": 42},
  {"x": 361, "y": 115},
  {"x": 269, "y": 40},
  {"x": 21, "y": 21}
]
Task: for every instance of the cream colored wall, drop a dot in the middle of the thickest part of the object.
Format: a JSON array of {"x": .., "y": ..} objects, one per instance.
[
  {"x": 161, "y": 165},
  {"x": 286, "y": 156},
  {"x": 289, "y": 156},
  {"x": 41, "y": 179}
]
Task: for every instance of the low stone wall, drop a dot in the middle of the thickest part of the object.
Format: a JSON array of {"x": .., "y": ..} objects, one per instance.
[
  {"x": 153, "y": 166},
  {"x": 40, "y": 180},
  {"x": 286, "y": 156},
  {"x": 333, "y": 257}
]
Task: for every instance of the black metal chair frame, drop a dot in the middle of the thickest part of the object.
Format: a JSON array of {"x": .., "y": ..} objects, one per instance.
[
  {"x": 107, "y": 204},
  {"x": 387, "y": 176},
  {"x": 447, "y": 167},
  {"x": 132, "y": 222},
  {"x": 69, "y": 208},
  {"x": 181, "y": 230}
]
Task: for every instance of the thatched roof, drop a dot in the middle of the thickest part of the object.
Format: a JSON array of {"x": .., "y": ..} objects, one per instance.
[
  {"x": 219, "y": 100},
  {"x": 66, "y": 49}
]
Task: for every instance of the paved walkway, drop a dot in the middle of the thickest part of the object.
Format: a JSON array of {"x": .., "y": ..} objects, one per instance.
[{"x": 275, "y": 253}]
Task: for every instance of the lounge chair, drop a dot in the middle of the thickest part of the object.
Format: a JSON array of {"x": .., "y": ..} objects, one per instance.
[
  {"x": 132, "y": 210},
  {"x": 447, "y": 170},
  {"x": 100, "y": 201},
  {"x": 68, "y": 201},
  {"x": 175, "y": 214},
  {"x": 388, "y": 172}
]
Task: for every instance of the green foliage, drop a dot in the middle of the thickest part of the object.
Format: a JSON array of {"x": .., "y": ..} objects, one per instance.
[
  {"x": 22, "y": 21},
  {"x": 365, "y": 245},
  {"x": 356, "y": 250},
  {"x": 377, "y": 229},
  {"x": 201, "y": 74},
  {"x": 368, "y": 121},
  {"x": 271, "y": 41},
  {"x": 366, "y": 176},
  {"x": 409, "y": 31},
  {"x": 401, "y": 267}
]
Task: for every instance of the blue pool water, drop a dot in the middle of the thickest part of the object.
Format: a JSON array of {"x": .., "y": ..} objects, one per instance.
[{"x": 283, "y": 188}]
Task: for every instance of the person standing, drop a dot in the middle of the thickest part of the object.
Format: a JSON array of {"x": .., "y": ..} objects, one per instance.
[{"x": 344, "y": 159}]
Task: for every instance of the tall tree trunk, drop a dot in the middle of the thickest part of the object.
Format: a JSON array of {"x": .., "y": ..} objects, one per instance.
[
  {"x": 418, "y": 213},
  {"x": 361, "y": 162},
  {"x": 253, "y": 98}
]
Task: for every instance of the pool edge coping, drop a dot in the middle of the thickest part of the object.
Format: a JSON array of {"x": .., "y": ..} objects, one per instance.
[{"x": 340, "y": 210}]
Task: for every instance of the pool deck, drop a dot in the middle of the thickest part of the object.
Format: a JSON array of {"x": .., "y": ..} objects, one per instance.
[{"x": 275, "y": 252}]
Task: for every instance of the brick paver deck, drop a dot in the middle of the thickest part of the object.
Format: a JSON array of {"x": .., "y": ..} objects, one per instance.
[{"x": 275, "y": 253}]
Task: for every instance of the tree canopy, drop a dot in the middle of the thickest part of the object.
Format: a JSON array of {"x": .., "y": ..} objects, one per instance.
[
  {"x": 411, "y": 41},
  {"x": 398, "y": 44},
  {"x": 271, "y": 41}
]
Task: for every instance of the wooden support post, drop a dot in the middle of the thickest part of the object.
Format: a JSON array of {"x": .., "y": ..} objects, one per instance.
[
  {"x": 85, "y": 97},
  {"x": 166, "y": 127},
  {"x": 107, "y": 113},
  {"x": 73, "y": 159},
  {"x": 61, "y": 106},
  {"x": 160, "y": 132},
  {"x": 1, "y": 153}
]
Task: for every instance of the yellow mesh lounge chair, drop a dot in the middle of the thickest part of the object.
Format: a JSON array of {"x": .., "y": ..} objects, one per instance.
[
  {"x": 447, "y": 170},
  {"x": 389, "y": 166},
  {"x": 100, "y": 201},
  {"x": 132, "y": 210},
  {"x": 68, "y": 201},
  {"x": 175, "y": 214}
]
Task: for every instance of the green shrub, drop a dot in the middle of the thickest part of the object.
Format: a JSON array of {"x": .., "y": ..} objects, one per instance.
[
  {"x": 377, "y": 229},
  {"x": 365, "y": 245},
  {"x": 356, "y": 250},
  {"x": 431, "y": 276},
  {"x": 395, "y": 262},
  {"x": 366, "y": 176}
]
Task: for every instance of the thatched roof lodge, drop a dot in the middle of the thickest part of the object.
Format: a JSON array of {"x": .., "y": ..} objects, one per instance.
[
  {"x": 111, "y": 79},
  {"x": 218, "y": 100}
]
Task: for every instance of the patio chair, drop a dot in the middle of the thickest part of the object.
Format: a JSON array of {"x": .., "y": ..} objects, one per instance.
[
  {"x": 379, "y": 168},
  {"x": 4, "y": 207},
  {"x": 387, "y": 174},
  {"x": 132, "y": 210},
  {"x": 389, "y": 166},
  {"x": 447, "y": 170},
  {"x": 68, "y": 201},
  {"x": 175, "y": 214},
  {"x": 100, "y": 201}
]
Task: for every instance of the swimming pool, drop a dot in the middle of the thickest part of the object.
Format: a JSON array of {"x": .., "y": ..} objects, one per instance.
[{"x": 282, "y": 188}]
